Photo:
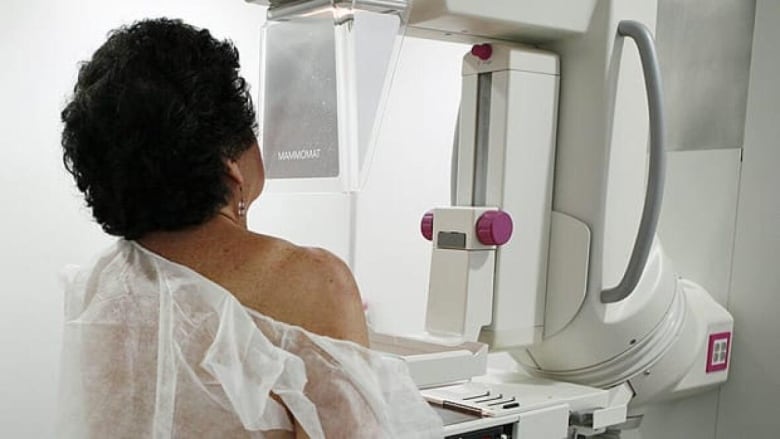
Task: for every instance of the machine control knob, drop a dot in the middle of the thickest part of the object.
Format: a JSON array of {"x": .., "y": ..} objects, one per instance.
[
  {"x": 426, "y": 226},
  {"x": 482, "y": 51},
  {"x": 494, "y": 228}
]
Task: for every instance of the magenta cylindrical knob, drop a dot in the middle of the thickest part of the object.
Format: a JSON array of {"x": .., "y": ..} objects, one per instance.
[
  {"x": 494, "y": 228},
  {"x": 482, "y": 51},
  {"x": 426, "y": 226}
]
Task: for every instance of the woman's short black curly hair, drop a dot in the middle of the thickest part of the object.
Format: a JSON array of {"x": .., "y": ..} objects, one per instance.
[{"x": 154, "y": 115}]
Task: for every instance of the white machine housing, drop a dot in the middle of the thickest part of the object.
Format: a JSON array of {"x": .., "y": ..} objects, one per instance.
[
  {"x": 535, "y": 132},
  {"x": 548, "y": 309},
  {"x": 505, "y": 159}
]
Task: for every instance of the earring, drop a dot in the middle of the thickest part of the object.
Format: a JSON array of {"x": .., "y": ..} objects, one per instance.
[{"x": 241, "y": 203}]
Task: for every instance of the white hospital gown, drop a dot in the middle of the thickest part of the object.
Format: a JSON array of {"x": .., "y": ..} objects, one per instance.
[{"x": 153, "y": 349}]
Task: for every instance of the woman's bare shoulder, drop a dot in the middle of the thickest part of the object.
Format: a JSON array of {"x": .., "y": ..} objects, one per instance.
[{"x": 310, "y": 287}]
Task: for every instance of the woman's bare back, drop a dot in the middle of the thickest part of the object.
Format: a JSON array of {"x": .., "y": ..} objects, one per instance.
[{"x": 300, "y": 286}]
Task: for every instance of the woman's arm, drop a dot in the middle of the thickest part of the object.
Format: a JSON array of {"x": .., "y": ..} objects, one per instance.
[
  {"x": 314, "y": 289},
  {"x": 336, "y": 308},
  {"x": 307, "y": 287}
]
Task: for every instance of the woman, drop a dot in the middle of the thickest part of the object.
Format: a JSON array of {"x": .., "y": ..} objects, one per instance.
[{"x": 191, "y": 325}]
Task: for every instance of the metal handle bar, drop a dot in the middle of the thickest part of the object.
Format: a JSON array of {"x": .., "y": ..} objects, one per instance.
[{"x": 657, "y": 170}]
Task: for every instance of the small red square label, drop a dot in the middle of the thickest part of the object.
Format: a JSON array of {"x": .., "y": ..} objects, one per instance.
[{"x": 718, "y": 352}]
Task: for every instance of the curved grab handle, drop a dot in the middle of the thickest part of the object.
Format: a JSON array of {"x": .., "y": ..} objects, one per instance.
[{"x": 657, "y": 170}]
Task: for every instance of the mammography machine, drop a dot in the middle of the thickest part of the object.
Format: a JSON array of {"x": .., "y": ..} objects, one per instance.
[{"x": 517, "y": 258}]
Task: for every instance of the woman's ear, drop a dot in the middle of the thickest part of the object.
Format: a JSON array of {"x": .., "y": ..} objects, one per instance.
[{"x": 234, "y": 171}]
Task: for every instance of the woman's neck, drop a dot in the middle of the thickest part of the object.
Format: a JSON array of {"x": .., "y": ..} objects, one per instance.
[
  {"x": 230, "y": 215},
  {"x": 213, "y": 233}
]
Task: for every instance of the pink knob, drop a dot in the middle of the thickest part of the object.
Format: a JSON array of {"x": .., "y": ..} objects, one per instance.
[
  {"x": 482, "y": 51},
  {"x": 494, "y": 228},
  {"x": 426, "y": 226}
]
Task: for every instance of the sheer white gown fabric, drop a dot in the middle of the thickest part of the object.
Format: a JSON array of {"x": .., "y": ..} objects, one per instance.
[{"x": 153, "y": 349}]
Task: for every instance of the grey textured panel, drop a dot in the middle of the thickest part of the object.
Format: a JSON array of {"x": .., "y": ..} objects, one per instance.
[
  {"x": 704, "y": 47},
  {"x": 300, "y": 115}
]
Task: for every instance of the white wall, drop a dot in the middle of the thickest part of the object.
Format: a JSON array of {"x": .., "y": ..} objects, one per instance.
[
  {"x": 44, "y": 225},
  {"x": 749, "y": 404},
  {"x": 410, "y": 174}
]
